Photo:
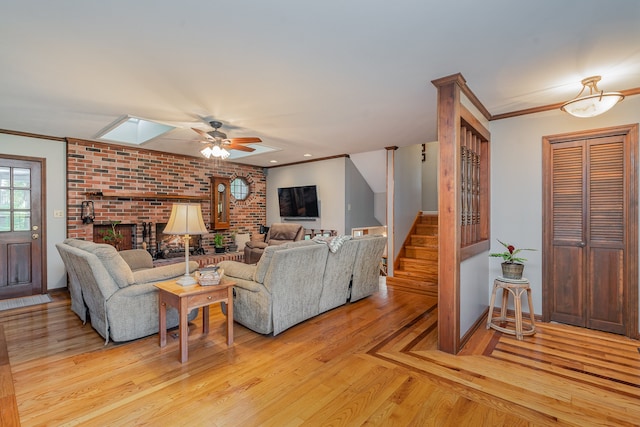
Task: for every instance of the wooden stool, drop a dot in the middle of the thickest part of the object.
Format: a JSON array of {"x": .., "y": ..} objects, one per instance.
[{"x": 515, "y": 287}]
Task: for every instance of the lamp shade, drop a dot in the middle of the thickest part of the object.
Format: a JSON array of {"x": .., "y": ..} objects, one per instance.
[{"x": 186, "y": 218}]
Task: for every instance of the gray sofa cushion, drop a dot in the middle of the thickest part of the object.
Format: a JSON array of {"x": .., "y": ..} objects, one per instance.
[
  {"x": 265, "y": 262},
  {"x": 238, "y": 270},
  {"x": 115, "y": 264},
  {"x": 110, "y": 258},
  {"x": 137, "y": 259},
  {"x": 164, "y": 272}
]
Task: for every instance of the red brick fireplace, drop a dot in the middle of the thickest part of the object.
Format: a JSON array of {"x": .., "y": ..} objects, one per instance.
[{"x": 135, "y": 186}]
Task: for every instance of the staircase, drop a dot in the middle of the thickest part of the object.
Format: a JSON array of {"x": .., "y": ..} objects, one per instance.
[{"x": 417, "y": 264}]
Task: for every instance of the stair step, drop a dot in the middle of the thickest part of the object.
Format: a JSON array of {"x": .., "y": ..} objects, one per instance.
[
  {"x": 414, "y": 264},
  {"x": 420, "y": 240},
  {"x": 427, "y": 229},
  {"x": 416, "y": 275},
  {"x": 421, "y": 252},
  {"x": 429, "y": 219},
  {"x": 429, "y": 288}
]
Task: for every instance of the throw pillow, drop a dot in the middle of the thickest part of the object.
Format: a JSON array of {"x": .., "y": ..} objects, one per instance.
[{"x": 334, "y": 242}]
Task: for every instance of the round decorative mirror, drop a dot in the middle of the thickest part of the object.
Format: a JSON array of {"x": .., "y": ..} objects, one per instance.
[{"x": 240, "y": 188}]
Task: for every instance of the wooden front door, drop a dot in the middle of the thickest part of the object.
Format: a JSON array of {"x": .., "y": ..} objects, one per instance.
[
  {"x": 21, "y": 234},
  {"x": 590, "y": 230}
]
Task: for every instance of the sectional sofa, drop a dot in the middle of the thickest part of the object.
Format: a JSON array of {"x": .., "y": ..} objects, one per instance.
[
  {"x": 115, "y": 291},
  {"x": 299, "y": 280}
]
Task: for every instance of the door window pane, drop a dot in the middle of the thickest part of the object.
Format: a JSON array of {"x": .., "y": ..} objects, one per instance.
[
  {"x": 5, "y": 224},
  {"x": 21, "y": 199},
  {"x": 5, "y": 199},
  {"x": 21, "y": 178},
  {"x": 21, "y": 221},
  {"x": 5, "y": 177}
]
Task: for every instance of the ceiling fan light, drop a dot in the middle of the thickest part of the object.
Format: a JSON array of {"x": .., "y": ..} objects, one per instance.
[
  {"x": 216, "y": 151},
  {"x": 594, "y": 104},
  {"x": 207, "y": 152}
]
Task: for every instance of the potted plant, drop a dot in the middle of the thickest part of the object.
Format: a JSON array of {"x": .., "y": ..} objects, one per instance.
[
  {"x": 512, "y": 266},
  {"x": 218, "y": 242},
  {"x": 113, "y": 236}
]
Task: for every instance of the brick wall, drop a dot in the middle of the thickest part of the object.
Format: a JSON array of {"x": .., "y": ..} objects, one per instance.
[{"x": 98, "y": 167}]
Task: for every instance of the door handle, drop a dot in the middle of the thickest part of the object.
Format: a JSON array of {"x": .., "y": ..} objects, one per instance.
[
  {"x": 582, "y": 244},
  {"x": 35, "y": 236}
]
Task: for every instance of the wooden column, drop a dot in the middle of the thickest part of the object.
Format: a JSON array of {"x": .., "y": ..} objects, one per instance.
[{"x": 449, "y": 213}]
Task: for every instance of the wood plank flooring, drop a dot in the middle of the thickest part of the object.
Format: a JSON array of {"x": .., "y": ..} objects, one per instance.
[{"x": 373, "y": 362}]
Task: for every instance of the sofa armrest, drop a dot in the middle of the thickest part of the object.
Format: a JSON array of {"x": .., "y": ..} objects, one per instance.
[
  {"x": 137, "y": 290},
  {"x": 249, "y": 285},
  {"x": 237, "y": 270},
  {"x": 256, "y": 245},
  {"x": 137, "y": 259},
  {"x": 164, "y": 272}
]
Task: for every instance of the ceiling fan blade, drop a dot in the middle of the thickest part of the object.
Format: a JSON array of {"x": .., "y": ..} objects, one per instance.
[
  {"x": 202, "y": 133},
  {"x": 245, "y": 140},
  {"x": 240, "y": 148}
]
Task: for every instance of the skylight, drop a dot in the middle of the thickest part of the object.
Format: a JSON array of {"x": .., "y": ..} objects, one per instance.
[
  {"x": 133, "y": 130},
  {"x": 259, "y": 149}
]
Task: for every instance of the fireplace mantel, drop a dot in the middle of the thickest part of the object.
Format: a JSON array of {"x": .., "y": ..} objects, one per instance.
[{"x": 142, "y": 196}]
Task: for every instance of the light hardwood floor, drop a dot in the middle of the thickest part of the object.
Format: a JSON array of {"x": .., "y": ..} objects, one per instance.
[{"x": 372, "y": 362}]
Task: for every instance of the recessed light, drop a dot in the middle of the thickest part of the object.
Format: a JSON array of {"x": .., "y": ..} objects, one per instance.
[
  {"x": 273, "y": 161},
  {"x": 307, "y": 155}
]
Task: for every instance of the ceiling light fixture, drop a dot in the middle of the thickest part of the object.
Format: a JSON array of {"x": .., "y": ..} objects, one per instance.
[
  {"x": 214, "y": 150},
  {"x": 596, "y": 103}
]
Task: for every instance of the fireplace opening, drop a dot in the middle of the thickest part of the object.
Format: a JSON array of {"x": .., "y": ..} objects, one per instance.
[
  {"x": 172, "y": 245},
  {"x": 125, "y": 235}
]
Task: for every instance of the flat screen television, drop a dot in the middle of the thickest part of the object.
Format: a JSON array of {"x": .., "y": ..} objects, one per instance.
[{"x": 298, "y": 201}]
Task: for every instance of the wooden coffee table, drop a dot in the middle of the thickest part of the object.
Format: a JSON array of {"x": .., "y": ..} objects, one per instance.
[{"x": 185, "y": 299}]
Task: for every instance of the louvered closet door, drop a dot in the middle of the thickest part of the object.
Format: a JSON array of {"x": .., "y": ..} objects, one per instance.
[{"x": 586, "y": 218}]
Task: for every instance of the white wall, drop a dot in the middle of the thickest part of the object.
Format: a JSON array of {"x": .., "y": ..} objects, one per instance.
[
  {"x": 516, "y": 180},
  {"x": 327, "y": 175},
  {"x": 359, "y": 199},
  {"x": 473, "y": 299},
  {"x": 54, "y": 153},
  {"x": 407, "y": 201},
  {"x": 371, "y": 165},
  {"x": 430, "y": 177}
]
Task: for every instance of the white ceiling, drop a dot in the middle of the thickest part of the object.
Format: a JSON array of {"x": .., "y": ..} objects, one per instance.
[{"x": 323, "y": 77}]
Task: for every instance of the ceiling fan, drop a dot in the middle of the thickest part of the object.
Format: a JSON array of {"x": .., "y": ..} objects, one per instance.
[{"x": 217, "y": 142}]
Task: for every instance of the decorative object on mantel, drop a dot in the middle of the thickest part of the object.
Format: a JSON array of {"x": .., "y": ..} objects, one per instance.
[
  {"x": 512, "y": 266},
  {"x": 186, "y": 219},
  {"x": 209, "y": 276},
  {"x": 88, "y": 213},
  {"x": 594, "y": 104},
  {"x": 139, "y": 196}
]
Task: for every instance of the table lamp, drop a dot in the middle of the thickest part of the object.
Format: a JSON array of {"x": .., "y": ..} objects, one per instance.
[{"x": 186, "y": 219}]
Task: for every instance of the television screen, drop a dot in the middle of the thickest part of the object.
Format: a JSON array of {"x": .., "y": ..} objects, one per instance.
[{"x": 298, "y": 201}]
